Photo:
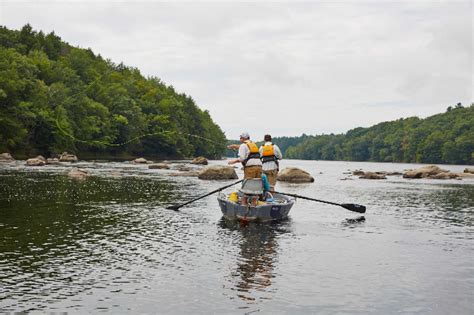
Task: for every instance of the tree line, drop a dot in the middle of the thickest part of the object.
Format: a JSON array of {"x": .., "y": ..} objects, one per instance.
[
  {"x": 55, "y": 97},
  {"x": 443, "y": 138}
]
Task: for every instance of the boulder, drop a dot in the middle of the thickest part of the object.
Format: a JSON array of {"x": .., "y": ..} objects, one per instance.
[
  {"x": 444, "y": 175},
  {"x": 424, "y": 172},
  {"x": 67, "y": 157},
  {"x": 6, "y": 157},
  {"x": 466, "y": 170},
  {"x": 465, "y": 175},
  {"x": 358, "y": 173},
  {"x": 218, "y": 172},
  {"x": 159, "y": 166},
  {"x": 37, "y": 161},
  {"x": 52, "y": 161},
  {"x": 78, "y": 173},
  {"x": 200, "y": 160},
  {"x": 140, "y": 161},
  {"x": 372, "y": 175},
  {"x": 295, "y": 175}
]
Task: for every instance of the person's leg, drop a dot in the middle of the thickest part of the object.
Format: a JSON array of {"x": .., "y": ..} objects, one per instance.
[
  {"x": 272, "y": 178},
  {"x": 253, "y": 172}
]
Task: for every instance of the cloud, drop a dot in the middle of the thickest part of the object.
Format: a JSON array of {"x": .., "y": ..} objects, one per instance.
[{"x": 280, "y": 67}]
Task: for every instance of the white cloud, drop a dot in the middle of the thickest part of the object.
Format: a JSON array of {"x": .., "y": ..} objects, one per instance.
[{"x": 280, "y": 67}]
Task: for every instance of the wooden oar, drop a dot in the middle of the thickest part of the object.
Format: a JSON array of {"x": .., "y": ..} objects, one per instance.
[
  {"x": 176, "y": 207},
  {"x": 349, "y": 206}
]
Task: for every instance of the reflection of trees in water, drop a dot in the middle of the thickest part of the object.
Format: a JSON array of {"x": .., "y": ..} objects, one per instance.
[
  {"x": 257, "y": 257},
  {"x": 448, "y": 204}
]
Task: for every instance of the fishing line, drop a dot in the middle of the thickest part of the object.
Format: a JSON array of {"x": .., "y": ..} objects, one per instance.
[{"x": 162, "y": 132}]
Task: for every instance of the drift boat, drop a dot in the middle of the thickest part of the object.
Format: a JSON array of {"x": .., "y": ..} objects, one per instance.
[
  {"x": 243, "y": 205},
  {"x": 263, "y": 211}
]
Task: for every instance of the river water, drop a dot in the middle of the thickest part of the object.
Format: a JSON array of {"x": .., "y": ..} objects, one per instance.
[{"x": 107, "y": 244}]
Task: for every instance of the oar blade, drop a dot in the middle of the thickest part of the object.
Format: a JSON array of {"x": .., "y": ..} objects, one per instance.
[
  {"x": 174, "y": 207},
  {"x": 354, "y": 207}
]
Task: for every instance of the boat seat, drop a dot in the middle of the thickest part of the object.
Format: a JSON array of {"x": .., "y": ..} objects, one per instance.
[{"x": 252, "y": 186}]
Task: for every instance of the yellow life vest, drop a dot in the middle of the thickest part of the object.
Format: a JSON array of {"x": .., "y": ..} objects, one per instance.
[
  {"x": 252, "y": 146},
  {"x": 254, "y": 152},
  {"x": 267, "y": 150},
  {"x": 268, "y": 153}
]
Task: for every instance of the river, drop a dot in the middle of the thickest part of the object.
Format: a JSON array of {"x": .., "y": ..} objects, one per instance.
[{"x": 108, "y": 244}]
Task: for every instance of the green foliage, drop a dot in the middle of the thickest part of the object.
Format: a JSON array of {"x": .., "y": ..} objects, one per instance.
[
  {"x": 443, "y": 138},
  {"x": 55, "y": 97}
]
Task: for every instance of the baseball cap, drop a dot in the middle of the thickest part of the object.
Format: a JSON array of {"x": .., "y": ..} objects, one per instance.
[{"x": 245, "y": 135}]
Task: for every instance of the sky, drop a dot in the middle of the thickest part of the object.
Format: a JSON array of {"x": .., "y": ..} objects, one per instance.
[{"x": 280, "y": 67}]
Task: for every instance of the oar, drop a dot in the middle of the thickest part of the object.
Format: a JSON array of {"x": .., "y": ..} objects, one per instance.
[
  {"x": 349, "y": 206},
  {"x": 176, "y": 207}
]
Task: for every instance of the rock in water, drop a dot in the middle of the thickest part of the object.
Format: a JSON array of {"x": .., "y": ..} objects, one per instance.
[
  {"x": 372, "y": 175},
  {"x": 78, "y": 174},
  {"x": 53, "y": 161},
  {"x": 466, "y": 170},
  {"x": 6, "y": 157},
  {"x": 295, "y": 175},
  {"x": 424, "y": 172},
  {"x": 67, "y": 157},
  {"x": 200, "y": 160},
  {"x": 218, "y": 172},
  {"x": 160, "y": 166},
  {"x": 37, "y": 161},
  {"x": 140, "y": 161}
]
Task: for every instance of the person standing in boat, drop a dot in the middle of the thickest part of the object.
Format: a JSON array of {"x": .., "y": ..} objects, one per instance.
[
  {"x": 270, "y": 155},
  {"x": 249, "y": 156}
]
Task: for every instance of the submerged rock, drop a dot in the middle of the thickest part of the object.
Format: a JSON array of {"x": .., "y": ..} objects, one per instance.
[
  {"x": 186, "y": 174},
  {"x": 6, "y": 157},
  {"x": 54, "y": 161},
  {"x": 182, "y": 168},
  {"x": 78, "y": 174},
  {"x": 372, "y": 175},
  {"x": 444, "y": 175},
  {"x": 218, "y": 172},
  {"x": 160, "y": 166},
  {"x": 200, "y": 160},
  {"x": 295, "y": 175}
]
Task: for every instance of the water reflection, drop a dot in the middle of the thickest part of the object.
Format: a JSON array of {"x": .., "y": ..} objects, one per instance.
[
  {"x": 445, "y": 205},
  {"x": 257, "y": 257},
  {"x": 60, "y": 238}
]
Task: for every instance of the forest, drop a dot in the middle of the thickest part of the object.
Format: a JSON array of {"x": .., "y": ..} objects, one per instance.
[
  {"x": 55, "y": 97},
  {"x": 446, "y": 138}
]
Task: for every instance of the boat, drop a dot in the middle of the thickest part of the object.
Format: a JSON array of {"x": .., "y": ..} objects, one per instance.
[
  {"x": 234, "y": 207},
  {"x": 263, "y": 211}
]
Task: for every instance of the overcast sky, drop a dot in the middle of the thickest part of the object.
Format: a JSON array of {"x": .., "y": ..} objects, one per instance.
[{"x": 282, "y": 68}]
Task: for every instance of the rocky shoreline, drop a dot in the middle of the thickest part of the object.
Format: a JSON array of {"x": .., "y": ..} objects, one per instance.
[{"x": 198, "y": 167}]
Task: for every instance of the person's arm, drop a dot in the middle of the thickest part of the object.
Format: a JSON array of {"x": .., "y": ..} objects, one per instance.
[
  {"x": 277, "y": 150},
  {"x": 242, "y": 155},
  {"x": 234, "y": 146}
]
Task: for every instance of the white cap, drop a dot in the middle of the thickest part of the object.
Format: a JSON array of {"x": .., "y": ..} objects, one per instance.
[{"x": 245, "y": 135}]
